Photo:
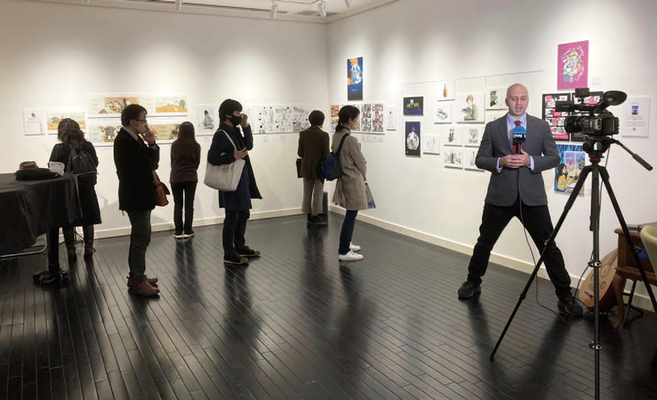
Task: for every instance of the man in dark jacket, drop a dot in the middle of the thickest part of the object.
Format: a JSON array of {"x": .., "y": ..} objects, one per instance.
[
  {"x": 313, "y": 145},
  {"x": 228, "y": 146},
  {"x": 136, "y": 156}
]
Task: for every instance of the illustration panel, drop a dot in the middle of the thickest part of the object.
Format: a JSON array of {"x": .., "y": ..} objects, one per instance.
[
  {"x": 431, "y": 144},
  {"x": 412, "y": 139},
  {"x": 103, "y": 132},
  {"x": 573, "y": 65},
  {"x": 453, "y": 135},
  {"x": 453, "y": 157},
  {"x": 443, "y": 113},
  {"x": 469, "y": 107},
  {"x": 414, "y": 106},
  {"x": 472, "y": 135},
  {"x": 573, "y": 160},
  {"x": 355, "y": 79},
  {"x": 54, "y": 117},
  {"x": 207, "y": 120},
  {"x": 445, "y": 90},
  {"x": 469, "y": 157},
  {"x": 495, "y": 98}
]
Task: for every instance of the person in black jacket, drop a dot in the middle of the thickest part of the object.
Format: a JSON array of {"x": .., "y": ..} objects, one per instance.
[
  {"x": 238, "y": 203},
  {"x": 72, "y": 137},
  {"x": 136, "y": 155}
]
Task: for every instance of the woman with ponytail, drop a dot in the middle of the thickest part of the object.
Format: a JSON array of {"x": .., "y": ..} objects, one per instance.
[{"x": 350, "y": 189}]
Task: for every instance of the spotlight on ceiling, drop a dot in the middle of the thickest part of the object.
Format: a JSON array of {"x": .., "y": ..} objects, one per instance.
[
  {"x": 347, "y": 3},
  {"x": 322, "y": 8},
  {"x": 178, "y": 4},
  {"x": 274, "y": 9}
]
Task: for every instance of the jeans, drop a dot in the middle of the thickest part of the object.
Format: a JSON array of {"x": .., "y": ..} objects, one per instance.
[
  {"x": 347, "y": 231},
  {"x": 140, "y": 237},
  {"x": 189, "y": 190},
  {"x": 538, "y": 224},
  {"x": 313, "y": 194},
  {"x": 234, "y": 230}
]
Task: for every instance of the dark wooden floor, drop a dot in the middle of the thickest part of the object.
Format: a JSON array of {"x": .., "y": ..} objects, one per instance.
[{"x": 297, "y": 325}]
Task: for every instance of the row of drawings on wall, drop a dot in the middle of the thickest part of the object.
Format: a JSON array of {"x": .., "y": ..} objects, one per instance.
[
  {"x": 101, "y": 120},
  {"x": 457, "y": 143},
  {"x": 372, "y": 118}
]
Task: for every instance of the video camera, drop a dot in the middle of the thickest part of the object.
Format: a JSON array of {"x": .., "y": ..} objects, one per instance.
[{"x": 591, "y": 119}]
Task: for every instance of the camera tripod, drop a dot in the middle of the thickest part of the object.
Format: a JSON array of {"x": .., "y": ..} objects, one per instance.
[{"x": 595, "y": 147}]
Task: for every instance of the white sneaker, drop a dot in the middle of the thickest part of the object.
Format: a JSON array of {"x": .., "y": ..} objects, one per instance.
[
  {"x": 351, "y": 256},
  {"x": 354, "y": 247}
]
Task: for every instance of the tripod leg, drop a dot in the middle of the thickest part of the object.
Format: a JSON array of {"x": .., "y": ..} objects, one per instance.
[
  {"x": 567, "y": 207},
  {"x": 628, "y": 238}
]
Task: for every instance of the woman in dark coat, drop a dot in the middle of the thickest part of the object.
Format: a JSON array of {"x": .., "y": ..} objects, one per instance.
[
  {"x": 185, "y": 159},
  {"x": 228, "y": 146},
  {"x": 72, "y": 137}
]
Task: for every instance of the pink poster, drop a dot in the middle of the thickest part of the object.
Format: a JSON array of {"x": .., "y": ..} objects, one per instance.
[{"x": 573, "y": 65}]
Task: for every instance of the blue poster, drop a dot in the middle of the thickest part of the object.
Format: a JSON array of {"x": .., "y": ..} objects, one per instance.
[
  {"x": 566, "y": 175},
  {"x": 355, "y": 79}
]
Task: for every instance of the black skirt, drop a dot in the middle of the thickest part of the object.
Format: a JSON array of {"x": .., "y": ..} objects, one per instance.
[{"x": 89, "y": 206}]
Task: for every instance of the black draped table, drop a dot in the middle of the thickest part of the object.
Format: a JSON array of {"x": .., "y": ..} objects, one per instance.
[{"x": 31, "y": 208}]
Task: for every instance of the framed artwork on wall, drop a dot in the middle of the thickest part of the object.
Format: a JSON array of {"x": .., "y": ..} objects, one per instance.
[
  {"x": 355, "y": 79},
  {"x": 469, "y": 107},
  {"x": 412, "y": 139},
  {"x": 414, "y": 106}
]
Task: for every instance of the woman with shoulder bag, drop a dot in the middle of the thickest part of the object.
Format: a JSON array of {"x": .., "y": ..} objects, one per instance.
[
  {"x": 228, "y": 146},
  {"x": 350, "y": 191},
  {"x": 185, "y": 159},
  {"x": 72, "y": 140}
]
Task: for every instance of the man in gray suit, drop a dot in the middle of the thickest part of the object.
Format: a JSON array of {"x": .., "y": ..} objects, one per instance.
[{"x": 516, "y": 189}]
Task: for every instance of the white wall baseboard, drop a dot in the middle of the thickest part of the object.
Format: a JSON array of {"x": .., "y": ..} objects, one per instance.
[
  {"x": 640, "y": 300},
  {"x": 167, "y": 226}
]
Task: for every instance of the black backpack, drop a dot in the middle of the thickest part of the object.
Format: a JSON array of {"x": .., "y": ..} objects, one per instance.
[
  {"x": 329, "y": 166},
  {"x": 81, "y": 164}
]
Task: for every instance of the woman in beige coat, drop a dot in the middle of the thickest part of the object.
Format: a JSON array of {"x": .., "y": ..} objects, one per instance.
[{"x": 350, "y": 189}]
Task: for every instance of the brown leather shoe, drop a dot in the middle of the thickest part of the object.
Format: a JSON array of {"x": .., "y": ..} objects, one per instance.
[
  {"x": 152, "y": 281},
  {"x": 144, "y": 289}
]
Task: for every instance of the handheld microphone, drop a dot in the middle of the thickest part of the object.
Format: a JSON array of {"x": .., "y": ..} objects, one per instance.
[{"x": 519, "y": 136}]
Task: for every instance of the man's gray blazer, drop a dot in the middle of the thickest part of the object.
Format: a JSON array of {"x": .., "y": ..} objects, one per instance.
[{"x": 503, "y": 186}]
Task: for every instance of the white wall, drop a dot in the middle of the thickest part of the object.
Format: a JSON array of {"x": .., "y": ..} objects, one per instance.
[
  {"x": 426, "y": 40},
  {"x": 53, "y": 55}
]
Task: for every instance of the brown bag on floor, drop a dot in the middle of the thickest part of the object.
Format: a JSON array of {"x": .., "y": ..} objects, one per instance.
[{"x": 161, "y": 191}]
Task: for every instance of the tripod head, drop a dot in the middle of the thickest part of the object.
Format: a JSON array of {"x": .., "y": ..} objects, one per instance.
[{"x": 596, "y": 146}]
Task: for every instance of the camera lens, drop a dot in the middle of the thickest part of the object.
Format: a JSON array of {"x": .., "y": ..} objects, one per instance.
[{"x": 576, "y": 124}]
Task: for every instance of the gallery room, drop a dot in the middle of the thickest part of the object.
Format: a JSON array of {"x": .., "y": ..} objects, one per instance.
[{"x": 316, "y": 313}]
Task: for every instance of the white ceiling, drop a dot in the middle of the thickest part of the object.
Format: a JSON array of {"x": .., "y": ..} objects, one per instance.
[{"x": 288, "y": 10}]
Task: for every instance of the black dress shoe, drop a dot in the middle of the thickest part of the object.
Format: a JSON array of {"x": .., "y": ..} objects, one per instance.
[
  {"x": 469, "y": 289},
  {"x": 235, "y": 259},
  {"x": 569, "y": 306},
  {"x": 248, "y": 252}
]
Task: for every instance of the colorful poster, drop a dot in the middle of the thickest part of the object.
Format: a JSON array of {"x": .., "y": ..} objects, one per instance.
[
  {"x": 469, "y": 107},
  {"x": 109, "y": 106},
  {"x": 366, "y": 118},
  {"x": 414, "y": 106},
  {"x": 412, "y": 139},
  {"x": 573, "y": 159},
  {"x": 355, "y": 79},
  {"x": 573, "y": 65},
  {"x": 165, "y": 130},
  {"x": 378, "y": 118},
  {"x": 207, "y": 120},
  {"x": 54, "y": 117},
  {"x": 554, "y": 118}
]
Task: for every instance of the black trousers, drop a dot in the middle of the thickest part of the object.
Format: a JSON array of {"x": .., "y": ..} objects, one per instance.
[
  {"x": 234, "y": 230},
  {"x": 140, "y": 238},
  {"x": 188, "y": 189},
  {"x": 539, "y": 225}
]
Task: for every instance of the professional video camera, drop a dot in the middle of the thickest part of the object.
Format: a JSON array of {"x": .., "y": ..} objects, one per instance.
[{"x": 591, "y": 119}]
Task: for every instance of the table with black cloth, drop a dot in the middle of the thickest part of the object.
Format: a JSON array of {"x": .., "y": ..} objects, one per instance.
[{"x": 31, "y": 208}]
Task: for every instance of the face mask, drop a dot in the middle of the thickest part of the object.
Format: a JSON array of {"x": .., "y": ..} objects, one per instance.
[{"x": 235, "y": 120}]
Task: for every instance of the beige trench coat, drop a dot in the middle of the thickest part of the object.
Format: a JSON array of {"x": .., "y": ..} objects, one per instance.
[{"x": 350, "y": 189}]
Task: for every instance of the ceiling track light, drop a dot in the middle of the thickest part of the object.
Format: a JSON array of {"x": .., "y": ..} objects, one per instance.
[
  {"x": 322, "y": 8},
  {"x": 347, "y": 3},
  {"x": 274, "y": 9},
  {"x": 178, "y": 4}
]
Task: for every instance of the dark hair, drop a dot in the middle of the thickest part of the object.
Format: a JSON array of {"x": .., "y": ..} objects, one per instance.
[
  {"x": 228, "y": 107},
  {"x": 186, "y": 147},
  {"x": 131, "y": 112},
  {"x": 316, "y": 118},
  {"x": 69, "y": 131},
  {"x": 346, "y": 113},
  {"x": 560, "y": 169}
]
